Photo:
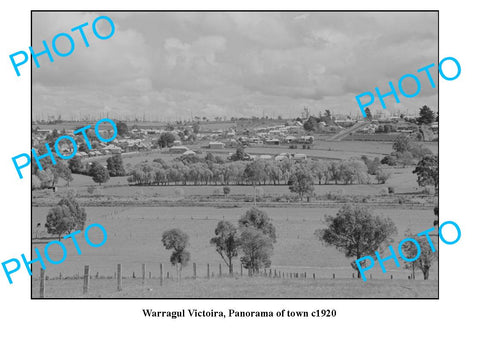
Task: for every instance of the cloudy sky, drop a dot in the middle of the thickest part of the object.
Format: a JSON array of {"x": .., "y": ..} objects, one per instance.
[{"x": 175, "y": 65}]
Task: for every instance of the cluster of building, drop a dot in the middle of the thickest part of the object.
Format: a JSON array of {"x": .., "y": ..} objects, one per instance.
[{"x": 119, "y": 145}]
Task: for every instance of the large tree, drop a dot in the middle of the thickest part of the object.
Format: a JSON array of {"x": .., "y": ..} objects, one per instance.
[
  {"x": 257, "y": 219},
  {"x": 427, "y": 116},
  {"x": 402, "y": 144},
  {"x": 254, "y": 173},
  {"x": 178, "y": 241},
  {"x": 226, "y": 242},
  {"x": 78, "y": 213},
  {"x": 60, "y": 170},
  {"x": 427, "y": 171},
  {"x": 65, "y": 217},
  {"x": 257, "y": 249},
  {"x": 239, "y": 155},
  {"x": 426, "y": 258},
  {"x": 356, "y": 232},
  {"x": 115, "y": 166},
  {"x": 166, "y": 139},
  {"x": 311, "y": 124},
  {"x": 122, "y": 128},
  {"x": 98, "y": 173},
  {"x": 75, "y": 165},
  {"x": 368, "y": 114},
  {"x": 301, "y": 182}
]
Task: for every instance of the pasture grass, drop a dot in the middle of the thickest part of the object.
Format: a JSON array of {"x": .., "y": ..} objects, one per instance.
[
  {"x": 241, "y": 287},
  {"x": 134, "y": 238}
]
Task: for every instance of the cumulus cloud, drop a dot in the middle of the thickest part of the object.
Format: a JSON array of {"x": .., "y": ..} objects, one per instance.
[{"x": 171, "y": 65}]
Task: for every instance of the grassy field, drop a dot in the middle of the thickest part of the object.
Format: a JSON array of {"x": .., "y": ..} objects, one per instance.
[
  {"x": 241, "y": 287},
  {"x": 134, "y": 235}
]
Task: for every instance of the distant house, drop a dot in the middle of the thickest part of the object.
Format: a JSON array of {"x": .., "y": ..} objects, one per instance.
[
  {"x": 281, "y": 158},
  {"x": 178, "y": 149},
  {"x": 216, "y": 145},
  {"x": 290, "y": 139},
  {"x": 177, "y": 143},
  {"x": 112, "y": 149},
  {"x": 306, "y": 139},
  {"x": 189, "y": 153},
  {"x": 43, "y": 132},
  {"x": 272, "y": 141},
  {"x": 265, "y": 157}
]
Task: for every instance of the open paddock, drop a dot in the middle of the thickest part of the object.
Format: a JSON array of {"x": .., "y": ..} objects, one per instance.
[
  {"x": 134, "y": 238},
  {"x": 240, "y": 287}
]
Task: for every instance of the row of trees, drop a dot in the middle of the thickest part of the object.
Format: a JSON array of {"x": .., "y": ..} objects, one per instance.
[{"x": 258, "y": 172}]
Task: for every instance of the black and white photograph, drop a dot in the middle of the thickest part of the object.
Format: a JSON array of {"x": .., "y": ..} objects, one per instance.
[{"x": 234, "y": 154}]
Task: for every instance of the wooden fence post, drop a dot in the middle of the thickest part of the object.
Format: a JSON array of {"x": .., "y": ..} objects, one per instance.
[
  {"x": 119, "y": 277},
  {"x": 334, "y": 275},
  {"x": 86, "y": 279},
  {"x": 161, "y": 274},
  {"x": 194, "y": 270},
  {"x": 208, "y": 270},
  {"x": 144, "y": 272},
  {"x": 275, "y": 274},
  {"x": 241, "y": 270},
  {"x": 270, "y": 273},
  {"x": 219, "y": 270},
  {"x": 314, "y": 276},
  {"x": 305, "y": 275},
  {"x": 42, "y": 283}
]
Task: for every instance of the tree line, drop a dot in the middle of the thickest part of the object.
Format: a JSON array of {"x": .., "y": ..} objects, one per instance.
[{"x": 258, "y": 172}]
